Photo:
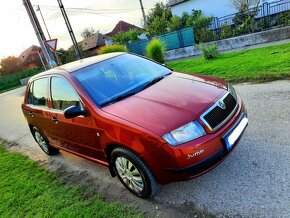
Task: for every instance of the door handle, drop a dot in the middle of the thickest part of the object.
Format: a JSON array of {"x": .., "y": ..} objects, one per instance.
[{"x": 54, "y": 119}]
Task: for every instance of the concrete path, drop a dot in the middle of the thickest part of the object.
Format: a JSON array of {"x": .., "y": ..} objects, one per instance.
[{"x": 253, "y": 182}]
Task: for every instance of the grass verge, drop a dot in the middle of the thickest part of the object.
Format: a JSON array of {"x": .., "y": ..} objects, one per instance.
[
  {"x": 10, "y": 81},
  {"x": 256, "y": 65},
  {"x": 27, "y": 189}
]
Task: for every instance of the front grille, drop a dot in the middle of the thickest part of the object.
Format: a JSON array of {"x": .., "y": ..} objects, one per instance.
[{"x": 216, "y": 115}]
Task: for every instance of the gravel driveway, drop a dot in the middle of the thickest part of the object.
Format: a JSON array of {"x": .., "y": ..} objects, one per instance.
[{"x": 253, "y": 182}]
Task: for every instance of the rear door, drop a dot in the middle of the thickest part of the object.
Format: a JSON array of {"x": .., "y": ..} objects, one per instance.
[
  {"x": 36, "y": 109},
  {"x": 77, "y": 134}
]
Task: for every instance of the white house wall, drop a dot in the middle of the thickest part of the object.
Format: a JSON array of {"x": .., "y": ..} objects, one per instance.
[{"x": 217, "y": 8}]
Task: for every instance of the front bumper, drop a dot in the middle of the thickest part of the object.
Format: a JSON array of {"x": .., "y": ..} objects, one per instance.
[{"x": 211, "y": 162}]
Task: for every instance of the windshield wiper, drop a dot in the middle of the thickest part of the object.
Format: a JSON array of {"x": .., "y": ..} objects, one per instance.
[
  {"x": 128, "y": 94},
  {"x": 119, "y": 98},
  {"x": 153, "y": 81}
]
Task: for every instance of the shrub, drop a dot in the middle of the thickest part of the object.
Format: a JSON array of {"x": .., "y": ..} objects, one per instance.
[
  {"x": 10, "y": 64},
  {"x": 226, "y": 31},
  {"x": 112, "y": 48},
  {"x": 13, "y": 79},
  {"x": 208, "y": 52},
  {"x": 204, "y": 35},
  {"x": 155, "y": 50}
]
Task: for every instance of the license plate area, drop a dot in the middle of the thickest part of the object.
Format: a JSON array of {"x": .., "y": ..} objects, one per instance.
[{"x": 235, "y": 133}]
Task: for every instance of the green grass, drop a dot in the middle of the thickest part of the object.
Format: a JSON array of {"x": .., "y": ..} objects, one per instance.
[
  {"x": 10, "y": 81},
  {"x": 256, "y": 65},
  {"x": 28, "y": 190}
]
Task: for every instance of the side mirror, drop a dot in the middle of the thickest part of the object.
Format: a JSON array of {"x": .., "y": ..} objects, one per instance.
[{"x": 73, "y": 111}]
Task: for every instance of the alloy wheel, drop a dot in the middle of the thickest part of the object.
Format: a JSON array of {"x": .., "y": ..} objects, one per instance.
[
  {"x": 129, "y": 174},
  {"x": 41, "y": 141}
]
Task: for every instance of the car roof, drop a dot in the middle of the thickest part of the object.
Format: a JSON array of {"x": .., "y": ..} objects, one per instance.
[{"x": 79, "y": 64}]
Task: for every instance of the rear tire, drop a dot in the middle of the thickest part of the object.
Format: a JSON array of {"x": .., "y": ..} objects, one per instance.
[
  {"x": 133, "y": 173},
  {"x": 43, "y": 143}
]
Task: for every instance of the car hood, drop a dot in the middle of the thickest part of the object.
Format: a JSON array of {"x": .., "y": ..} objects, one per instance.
[{"x": 172, "y": 102}]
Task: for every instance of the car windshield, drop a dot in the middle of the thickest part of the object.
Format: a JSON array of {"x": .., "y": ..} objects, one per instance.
[{"x": 117, "y": 78}]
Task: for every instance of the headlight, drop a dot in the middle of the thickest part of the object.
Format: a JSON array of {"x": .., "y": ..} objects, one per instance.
[
  {"x": 185, "y": 133},
  {"x": 232, "y": 91}
]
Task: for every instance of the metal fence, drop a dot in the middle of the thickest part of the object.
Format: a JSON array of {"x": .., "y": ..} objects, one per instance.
[
  {"x": 267, "y": 16},
  {"x": 264, "y": 10},
  {"x": 173, "y": 40}
]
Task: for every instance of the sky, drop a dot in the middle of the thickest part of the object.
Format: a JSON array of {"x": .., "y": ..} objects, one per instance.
[{"x": 17, "y": 33}]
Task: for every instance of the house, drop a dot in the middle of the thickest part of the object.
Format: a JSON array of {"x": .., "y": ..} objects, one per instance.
[
  {"x": 216, "y": 8},
  {"x": 30, "y": 57},
  {"x": 122, "y": 26},
  {"x": 92, "y": 44}
]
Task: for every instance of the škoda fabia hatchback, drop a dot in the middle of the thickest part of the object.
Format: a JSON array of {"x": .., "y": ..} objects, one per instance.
[{"x": 147, "y": 124}]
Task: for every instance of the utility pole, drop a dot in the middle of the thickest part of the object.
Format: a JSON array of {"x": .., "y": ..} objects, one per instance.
[
  {"x": 39, "y": 33},
  {"x": 38, "y": 9},
  {"x": 143, "y": 12},
  {"x": 71, "y": 33}
]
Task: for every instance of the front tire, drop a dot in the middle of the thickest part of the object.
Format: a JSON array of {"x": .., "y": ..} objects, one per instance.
[
  {"x": 43, "y": 143},
  {"x": 133, "y": 173}
]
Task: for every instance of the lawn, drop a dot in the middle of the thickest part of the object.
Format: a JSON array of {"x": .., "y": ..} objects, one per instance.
[
  {"x": 11, "y": 81},
  {"x": 256, "y": 65},
  {"x": 28, "y": 190}
]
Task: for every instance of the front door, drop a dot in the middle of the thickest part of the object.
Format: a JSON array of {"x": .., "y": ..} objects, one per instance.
[{"x": 77, "y": 134}]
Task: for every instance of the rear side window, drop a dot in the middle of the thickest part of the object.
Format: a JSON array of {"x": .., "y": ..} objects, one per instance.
[
  {"x": 40, "y": 92},
  {"x": 30, "y": 94},
  {"x": 63, "y": 95}
]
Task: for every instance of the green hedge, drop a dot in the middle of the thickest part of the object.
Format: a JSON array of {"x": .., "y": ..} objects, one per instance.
[{"x": 13, "y": 80}]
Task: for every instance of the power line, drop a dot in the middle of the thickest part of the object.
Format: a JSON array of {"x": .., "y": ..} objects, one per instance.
[
  {"x": 72, "y": 35},
  {"x": 104, "y": 10},
  {"x": 38, "y": 9},
  {"x": 39, "y": 33}
]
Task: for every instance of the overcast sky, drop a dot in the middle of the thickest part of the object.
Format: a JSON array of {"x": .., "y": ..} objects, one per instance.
[{"x": 17, "y": 33}]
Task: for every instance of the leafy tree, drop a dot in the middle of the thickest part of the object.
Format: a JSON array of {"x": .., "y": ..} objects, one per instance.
[
  {"x": 184, "y": 17},
  {"x": 176, "y": 23},
  {"x": 158, "y": 26},
  {"x": 87, "y": 32},
  {"x": 245, "y": 12},
  {"x": 69, "y": 55},
  {"x": 158, "y": 19},
  {"x": 10, "y": 64},
  {"x": 122, "y": 38},
  {"x": 244, "y": 5}
]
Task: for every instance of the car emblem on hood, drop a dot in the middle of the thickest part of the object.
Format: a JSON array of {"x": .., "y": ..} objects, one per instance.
[{"x": 222, "y": 105}]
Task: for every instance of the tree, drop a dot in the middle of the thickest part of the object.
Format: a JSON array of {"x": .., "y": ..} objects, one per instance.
[
  {"x": 245, "y": 10},
  {"x": 87, "y": 32},
  {"x": 158, "y": 19},
  {"x": 67, "y": 56},
  {"x": 122, "y": 38},
  {"x": 244, "y": 5},
  {"x": 10, "y": 64},
  {"x": 176, "y": 23}
]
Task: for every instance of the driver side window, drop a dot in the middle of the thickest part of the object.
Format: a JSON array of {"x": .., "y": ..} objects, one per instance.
[{"x": 63, "y": 95}]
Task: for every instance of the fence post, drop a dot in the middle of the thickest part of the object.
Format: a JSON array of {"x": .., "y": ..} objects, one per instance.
[
  {"x": 265, "y": 11},
  {"x": 180, "y": 38},
  {"x": 216, "y": 27}
]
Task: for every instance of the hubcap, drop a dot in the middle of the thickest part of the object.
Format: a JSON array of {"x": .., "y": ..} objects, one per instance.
[
  {"x": 41, "y": 141},
  {"x": 129, "y": 174}
]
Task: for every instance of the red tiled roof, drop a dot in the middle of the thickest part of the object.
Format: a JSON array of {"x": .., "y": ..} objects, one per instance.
[
  {"x": 93, "y": 41},
  {"x": 122, "y": 26},
  {"x": 30, "y": 55}
]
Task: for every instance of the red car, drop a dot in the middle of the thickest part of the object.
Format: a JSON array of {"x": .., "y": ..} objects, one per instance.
[{"x": 148, "y": 124}]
